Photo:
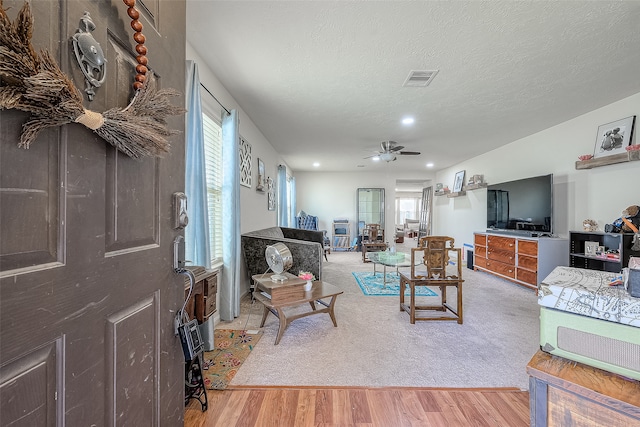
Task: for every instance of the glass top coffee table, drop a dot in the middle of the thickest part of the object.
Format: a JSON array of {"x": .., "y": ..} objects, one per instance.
[{"x": 391, "y": 259}]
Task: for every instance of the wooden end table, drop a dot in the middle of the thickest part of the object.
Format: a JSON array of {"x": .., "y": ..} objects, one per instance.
[
  {"x": 276, "y": 296},
  {"x": 564, "y": 392}
]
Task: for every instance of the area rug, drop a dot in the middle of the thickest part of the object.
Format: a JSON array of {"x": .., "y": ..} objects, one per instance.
[
  {"x": 232, "y": 347},
  {"x": 373, "y": 285}
]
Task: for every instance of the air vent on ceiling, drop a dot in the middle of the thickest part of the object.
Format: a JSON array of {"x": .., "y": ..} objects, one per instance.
[{"x": 420, "y": 78}]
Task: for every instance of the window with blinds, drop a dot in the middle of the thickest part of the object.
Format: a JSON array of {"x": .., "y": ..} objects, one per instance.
[
  {"x": 407, "y": 208},
  {"x": 213, "y": 170}
]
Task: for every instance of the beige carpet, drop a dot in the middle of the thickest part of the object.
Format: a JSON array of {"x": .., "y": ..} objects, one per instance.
[{"x": 375, "y": 345}]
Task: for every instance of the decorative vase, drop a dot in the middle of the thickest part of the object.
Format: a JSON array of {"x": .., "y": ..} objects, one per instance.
[{"x": 308, "y": 285}]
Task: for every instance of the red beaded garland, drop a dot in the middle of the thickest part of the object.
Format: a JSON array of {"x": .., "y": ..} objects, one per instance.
[{"x": 141, "y": 49}]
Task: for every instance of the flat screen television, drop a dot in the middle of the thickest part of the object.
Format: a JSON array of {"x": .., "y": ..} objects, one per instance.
[{"x": 522, "y": 206}]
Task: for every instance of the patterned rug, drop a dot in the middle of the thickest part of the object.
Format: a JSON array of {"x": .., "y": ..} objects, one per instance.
[
  {"x": 373, "y": 285},
  {"x": 232, "y": 347}
]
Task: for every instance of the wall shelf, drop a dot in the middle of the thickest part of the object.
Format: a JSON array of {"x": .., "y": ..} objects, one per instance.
[
  {"x": 629, "y": 156},
  {"x": 476, "y": 186},
  {"x": 457, "y": 194}
]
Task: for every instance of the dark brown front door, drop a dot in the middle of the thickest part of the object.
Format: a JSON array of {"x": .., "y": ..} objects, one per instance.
[{"x": 87, "y": 290}]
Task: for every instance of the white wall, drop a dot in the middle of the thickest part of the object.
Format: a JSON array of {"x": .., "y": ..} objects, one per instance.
[
  {"x": 253, "y": 205},
  {"x": 254, "y": 213},
  {"x": 600, "y": 193},
  {"x": 330, "y": 195}
]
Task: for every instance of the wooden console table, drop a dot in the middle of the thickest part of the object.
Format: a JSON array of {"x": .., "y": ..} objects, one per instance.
[
  {"x": 277, "y": 296},
  {"x": 567, "y": 393},
  {"x": 202, "y": 303}
]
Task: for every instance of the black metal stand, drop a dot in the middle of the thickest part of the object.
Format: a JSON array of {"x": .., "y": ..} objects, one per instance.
[{"x": 194, "y": 382}]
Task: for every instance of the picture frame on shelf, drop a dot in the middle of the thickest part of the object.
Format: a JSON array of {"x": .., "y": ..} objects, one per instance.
[
  {"x": 590, "y": 248},
  {"x": 458, "y": 181},
  {"x": 614, "y": 137},
  {"x": 476, "y": 180}
]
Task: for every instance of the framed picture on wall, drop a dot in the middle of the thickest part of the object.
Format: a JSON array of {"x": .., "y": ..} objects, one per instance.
[
  {"x": 459, "y": 180},
  {"x": 271, "y": 195},
  {"x": 614, "y": 137},
  {"x": 260, "y": 183},
  {"x": 245, "y": 163}
]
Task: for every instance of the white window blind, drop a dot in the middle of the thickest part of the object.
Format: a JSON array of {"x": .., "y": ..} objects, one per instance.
[{"x": 213, "y": 170}]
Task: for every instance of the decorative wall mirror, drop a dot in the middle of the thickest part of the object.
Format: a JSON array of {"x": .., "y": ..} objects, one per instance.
[{"x": 370, "y": 208}]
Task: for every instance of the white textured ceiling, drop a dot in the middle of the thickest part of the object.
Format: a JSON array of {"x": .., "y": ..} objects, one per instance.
[{"x": 323, "y": 80}]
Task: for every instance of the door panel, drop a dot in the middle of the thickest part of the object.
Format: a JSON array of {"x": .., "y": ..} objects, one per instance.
[
  {"x": 29, "y": 388},
  {"x": 35, "y": 239},
  {"x": 132, "y": 361},
  {"x": 87, "y": 290},
  {"x": 132, "y": 204}
]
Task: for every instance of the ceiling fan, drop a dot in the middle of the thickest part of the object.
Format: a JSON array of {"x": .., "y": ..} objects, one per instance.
[{"x": 391, "y": 149}]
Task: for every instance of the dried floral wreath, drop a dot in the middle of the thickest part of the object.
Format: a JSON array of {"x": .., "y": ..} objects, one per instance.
[{"x": 33, "y": 82}]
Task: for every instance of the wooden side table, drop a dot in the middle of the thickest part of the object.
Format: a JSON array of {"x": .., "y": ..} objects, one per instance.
[
  {"x": 277, "y": 296},
  {"x": 567, "y": 393}
]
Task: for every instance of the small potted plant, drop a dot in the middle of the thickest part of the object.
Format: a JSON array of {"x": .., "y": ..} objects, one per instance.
[{"x": 309, "y": 277}]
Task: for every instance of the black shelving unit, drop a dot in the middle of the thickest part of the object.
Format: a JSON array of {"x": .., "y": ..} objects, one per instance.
[{"x": 622, "y": 242}]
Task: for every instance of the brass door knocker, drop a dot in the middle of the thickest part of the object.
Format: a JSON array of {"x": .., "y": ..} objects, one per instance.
[{"x": 89, "y": 55}]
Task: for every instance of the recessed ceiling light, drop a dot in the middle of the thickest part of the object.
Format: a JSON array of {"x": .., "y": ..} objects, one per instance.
[
  {"x": 316, "y": 164},
  {"x": 408, "y": 121},
  {"x": 376, "y": 158},
  {"x": 429, "y": 165}
]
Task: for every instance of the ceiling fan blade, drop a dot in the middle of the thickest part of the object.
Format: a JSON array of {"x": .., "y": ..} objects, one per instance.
[
  {"x": 388, "y": 146},
  {"x": 409, "y": 153},
  {"x": 396, "y": 148},
  {"x": 371, "y": 156}
]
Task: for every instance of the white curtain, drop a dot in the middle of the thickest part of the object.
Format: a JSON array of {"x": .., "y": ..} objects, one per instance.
[
  {"x": 292, "y": 203},
  {"x": 286, "y": 199},
  {"x": 229, "y": 292},
  {"x": 196, "y": 234}
]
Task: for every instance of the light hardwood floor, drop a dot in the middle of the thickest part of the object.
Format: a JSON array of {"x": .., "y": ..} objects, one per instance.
[{"x": 360, "y": 406}]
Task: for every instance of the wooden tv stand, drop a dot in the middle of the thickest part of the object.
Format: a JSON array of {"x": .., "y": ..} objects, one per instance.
[{"x": 523, "y": 260}]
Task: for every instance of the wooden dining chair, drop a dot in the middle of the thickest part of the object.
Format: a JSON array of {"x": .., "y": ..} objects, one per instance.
[{"x": 436, "y": 270}]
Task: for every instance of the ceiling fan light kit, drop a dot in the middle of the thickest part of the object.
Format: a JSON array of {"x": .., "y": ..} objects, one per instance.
[
  {"x": 389, "y": 150},
  {"x": 388, "y": 157}
]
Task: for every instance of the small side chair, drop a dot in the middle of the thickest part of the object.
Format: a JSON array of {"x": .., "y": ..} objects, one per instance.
[{"x": 434, "y": 271}]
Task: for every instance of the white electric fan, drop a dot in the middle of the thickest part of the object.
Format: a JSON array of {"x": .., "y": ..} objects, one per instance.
[{"x": 279, "y": 259}]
